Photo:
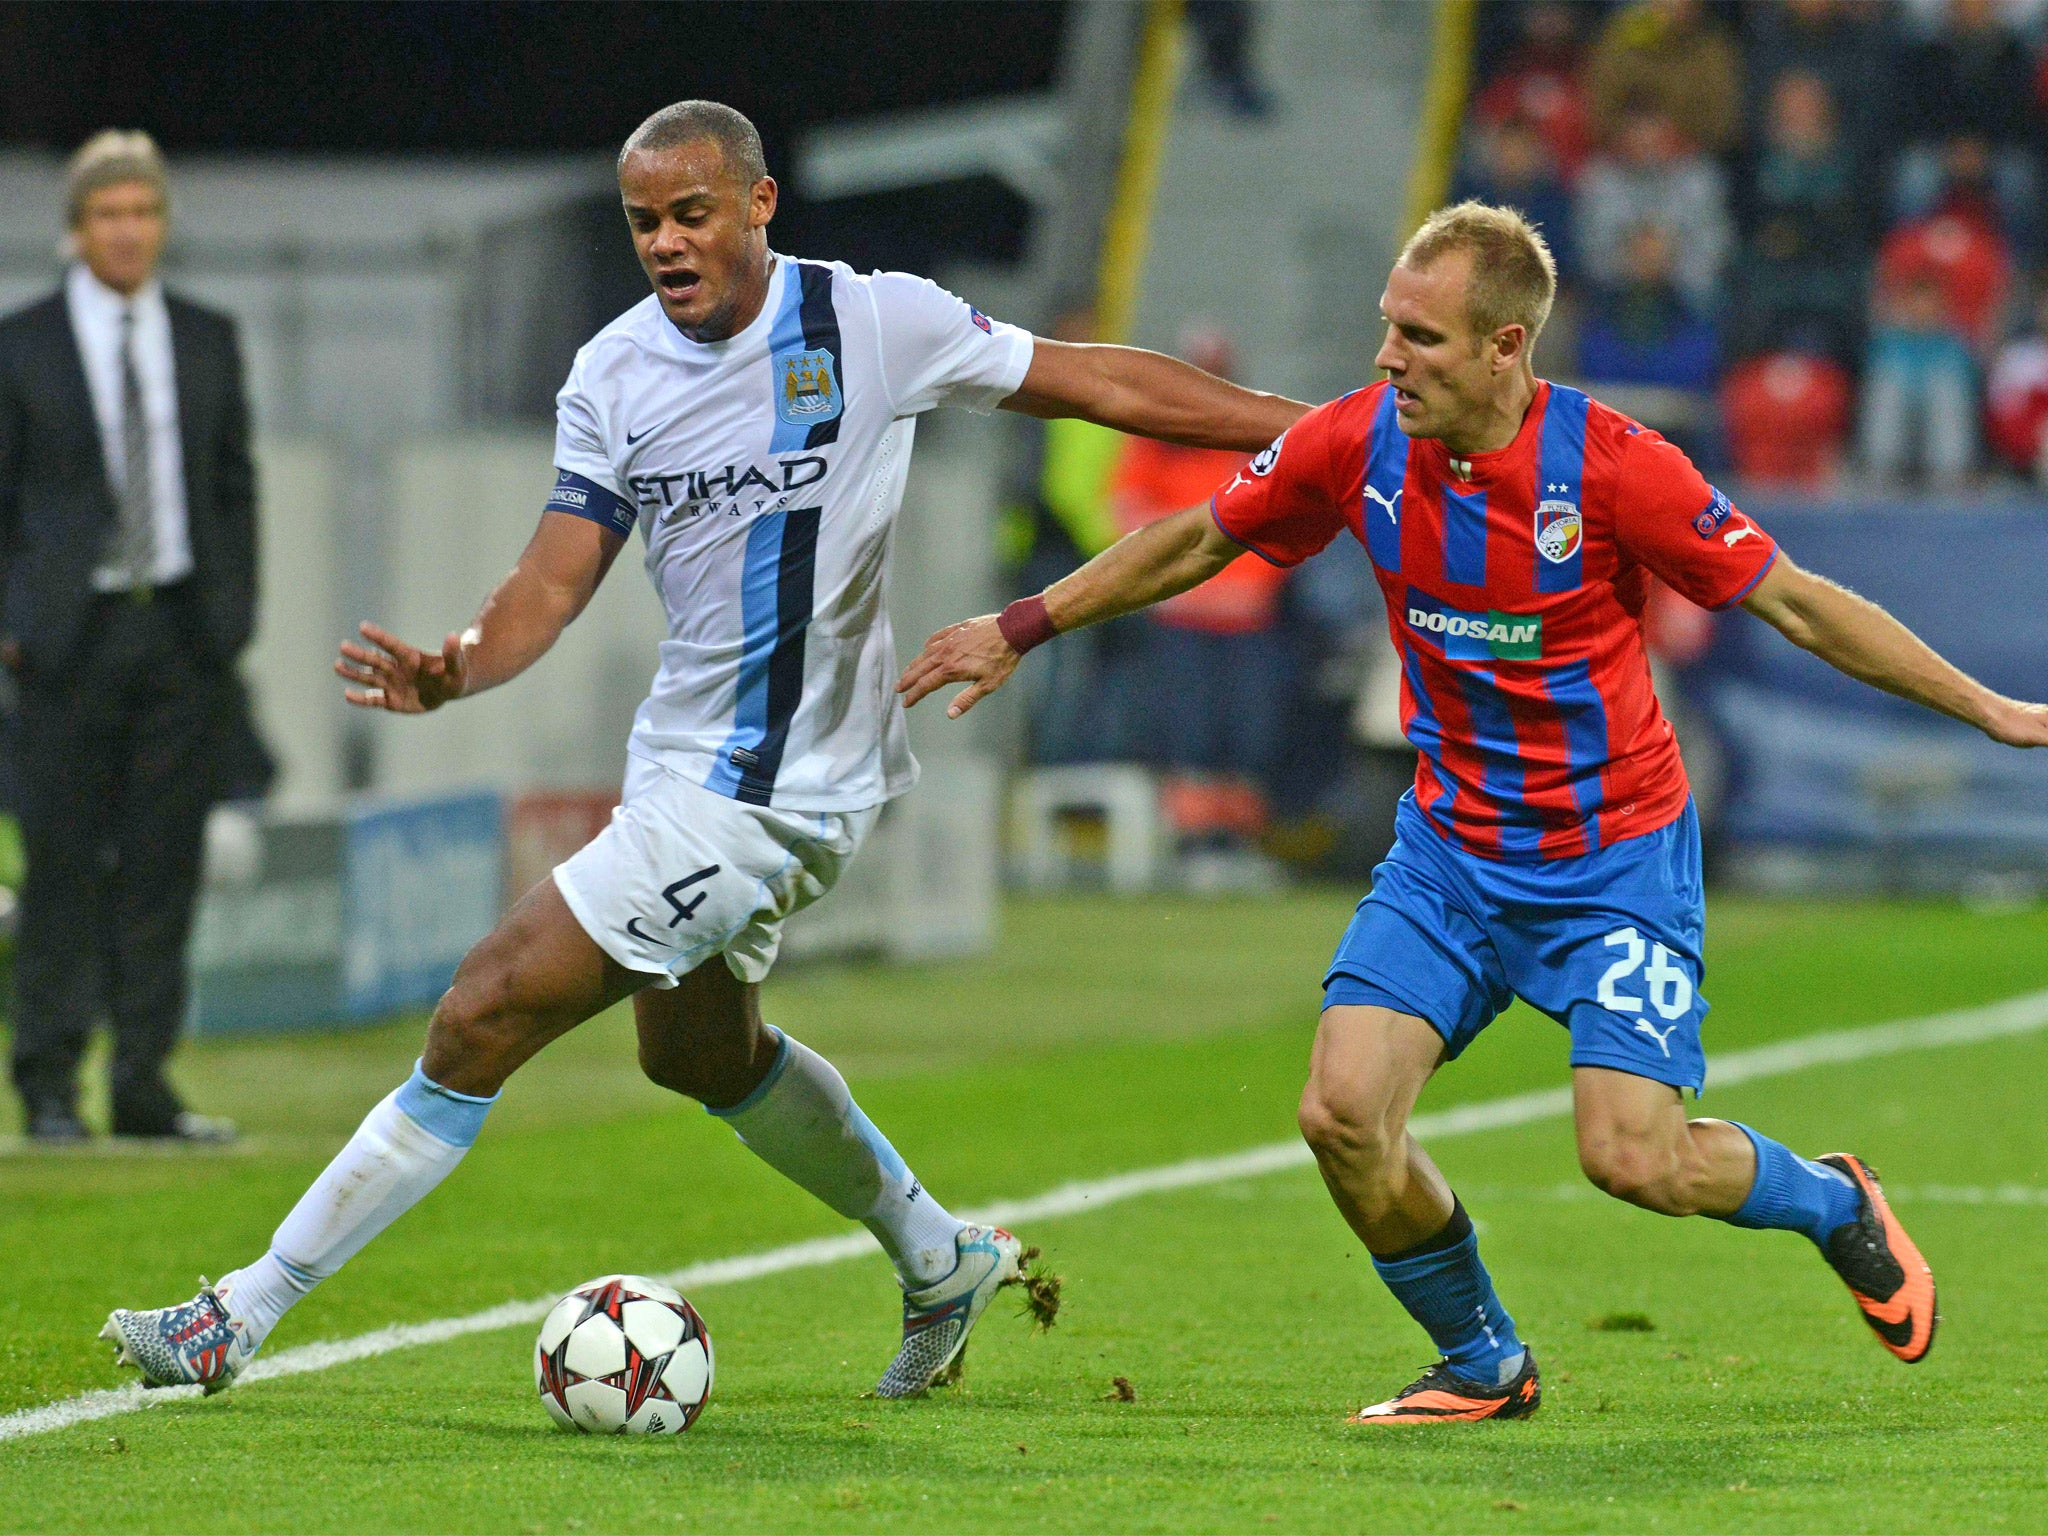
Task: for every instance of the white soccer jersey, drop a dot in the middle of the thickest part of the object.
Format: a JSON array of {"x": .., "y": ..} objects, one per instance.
[{"x": 765, "y": 472}]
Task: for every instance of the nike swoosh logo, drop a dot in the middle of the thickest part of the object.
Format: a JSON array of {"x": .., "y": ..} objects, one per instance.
[
  {"x": 1893, "y": 1330},
  {"x": 633, "y": 927},
  {"x": 634, "y": 437}
]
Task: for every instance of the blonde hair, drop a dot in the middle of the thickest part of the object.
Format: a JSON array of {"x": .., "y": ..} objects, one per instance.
[
  {"x": 1514, "y": 276},
  {"x": 107, "y": 159}
]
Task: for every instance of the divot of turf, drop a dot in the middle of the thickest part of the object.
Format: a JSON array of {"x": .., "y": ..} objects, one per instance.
[
  {"x": 1041, "y": 1291},
  {"x": 1622, "y": 1322}
]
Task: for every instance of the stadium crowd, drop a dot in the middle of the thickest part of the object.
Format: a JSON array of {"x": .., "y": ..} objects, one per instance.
[{"x": 1804, "y": 237}]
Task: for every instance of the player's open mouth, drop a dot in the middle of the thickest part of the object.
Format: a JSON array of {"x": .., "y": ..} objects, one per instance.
[{"x": 677, "y": 285}]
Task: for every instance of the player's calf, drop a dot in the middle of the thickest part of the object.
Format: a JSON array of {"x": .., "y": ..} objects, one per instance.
[
  {"x": 1636, "y": 1144},
  {"x": 1673, "y": 1176},
  {"x": 704, "y": 1038}
]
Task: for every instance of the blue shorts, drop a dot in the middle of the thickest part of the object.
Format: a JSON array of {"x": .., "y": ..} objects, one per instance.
[{"x": 1607, "y": 944}]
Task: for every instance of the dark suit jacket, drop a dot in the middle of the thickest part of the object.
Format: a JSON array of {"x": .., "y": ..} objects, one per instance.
[{"x": 57, "y": 502}]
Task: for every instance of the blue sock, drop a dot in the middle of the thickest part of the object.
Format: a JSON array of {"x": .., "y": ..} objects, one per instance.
[
  {"x": 1793, "y": 1193},
  {"x": 1446, "y": 1289}
]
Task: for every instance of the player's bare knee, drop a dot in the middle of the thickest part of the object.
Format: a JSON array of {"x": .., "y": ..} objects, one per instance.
[
  {"x": 475, "y": 1032},
  {"x": 1345, "y": 1129}
]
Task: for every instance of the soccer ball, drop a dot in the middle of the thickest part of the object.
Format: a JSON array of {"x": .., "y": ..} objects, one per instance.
[{"x": 623, "y": 1355}]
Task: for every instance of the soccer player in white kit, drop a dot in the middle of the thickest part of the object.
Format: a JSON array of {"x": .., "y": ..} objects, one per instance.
[{"x": 753, "y": 419}]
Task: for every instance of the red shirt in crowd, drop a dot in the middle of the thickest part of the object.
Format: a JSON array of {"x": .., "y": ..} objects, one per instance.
[
  {"x": 1153, "y": 479},
  {"x": 1962, "y": 253}
]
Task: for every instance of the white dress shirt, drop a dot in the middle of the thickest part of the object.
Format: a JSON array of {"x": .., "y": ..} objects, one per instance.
[{"x": 96, "y": 313}]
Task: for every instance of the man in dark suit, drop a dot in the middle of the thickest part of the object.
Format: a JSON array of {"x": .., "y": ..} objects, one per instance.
[{"x": 127, "y": 588}]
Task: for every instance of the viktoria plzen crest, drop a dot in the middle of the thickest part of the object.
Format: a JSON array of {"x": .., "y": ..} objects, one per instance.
[
  {"x": 1559, "y": 529},
  {"x": 806, "y": 391}
]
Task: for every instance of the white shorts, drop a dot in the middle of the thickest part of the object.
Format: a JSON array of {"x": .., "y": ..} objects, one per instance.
[{"x": 683, "y": 874}]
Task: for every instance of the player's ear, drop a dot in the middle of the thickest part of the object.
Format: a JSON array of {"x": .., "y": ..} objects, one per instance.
[
  {"x": 1507, "y": 345},
  {"x": 761, "y": 203}
]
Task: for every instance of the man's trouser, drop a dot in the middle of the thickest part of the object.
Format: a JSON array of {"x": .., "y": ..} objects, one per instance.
[{"x": 115, "y": 789}]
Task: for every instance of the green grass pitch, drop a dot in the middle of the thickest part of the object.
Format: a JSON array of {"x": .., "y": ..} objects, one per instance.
[{"x": 1101, "y": 1037}]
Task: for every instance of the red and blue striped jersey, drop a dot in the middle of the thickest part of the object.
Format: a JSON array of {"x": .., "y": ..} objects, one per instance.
[{"x": 1515, "y": 582}]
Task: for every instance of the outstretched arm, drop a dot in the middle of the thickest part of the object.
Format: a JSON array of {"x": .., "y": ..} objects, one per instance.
[
  {"x": 1150, "y": 395},
  {"x": 1854, "y": 635},
  {"x": 1156, "y": 562},
  {"x": 555, "y": 578}
]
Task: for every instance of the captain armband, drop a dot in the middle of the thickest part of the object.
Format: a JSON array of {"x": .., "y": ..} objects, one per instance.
[{"x": 580, "y": 497}]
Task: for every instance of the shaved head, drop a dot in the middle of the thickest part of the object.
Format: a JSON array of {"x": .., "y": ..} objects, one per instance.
[{"x": 696, "y": 122}]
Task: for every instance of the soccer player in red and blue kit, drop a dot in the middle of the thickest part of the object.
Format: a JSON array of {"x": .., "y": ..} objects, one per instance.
[{"x": 1548, "y": 848}]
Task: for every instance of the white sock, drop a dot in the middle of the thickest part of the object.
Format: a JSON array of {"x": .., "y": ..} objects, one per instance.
[
  {"x": 405, "y": 1146},
  {"x": 803, "y": 1123}
]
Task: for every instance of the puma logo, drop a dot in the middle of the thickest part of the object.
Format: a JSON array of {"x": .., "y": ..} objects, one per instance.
[
  {"x": 1662, "y": 1037},
  {"x": 1734, "y": 535},
  {"x": 1372, "y": 493}
]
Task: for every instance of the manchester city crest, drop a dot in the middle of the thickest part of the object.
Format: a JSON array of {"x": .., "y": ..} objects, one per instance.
[
  {"x": 1559, "y": 530},
  {"x": 806, "y": 388}
]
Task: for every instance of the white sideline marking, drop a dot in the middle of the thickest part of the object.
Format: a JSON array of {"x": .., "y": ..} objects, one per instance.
[{"x": 2021, "y": 1015}]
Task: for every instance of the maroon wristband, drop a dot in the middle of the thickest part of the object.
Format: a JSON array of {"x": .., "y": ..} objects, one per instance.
[{"x": 1025, "y": 623}]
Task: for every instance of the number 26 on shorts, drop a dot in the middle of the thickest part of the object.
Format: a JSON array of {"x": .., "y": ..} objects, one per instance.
[{"x": 1670, "y": 988}]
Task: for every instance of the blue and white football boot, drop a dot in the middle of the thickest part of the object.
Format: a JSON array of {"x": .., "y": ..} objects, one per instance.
[
  {"x": 938, "y": 1318},
  {"x": 196, "y": 1344}
]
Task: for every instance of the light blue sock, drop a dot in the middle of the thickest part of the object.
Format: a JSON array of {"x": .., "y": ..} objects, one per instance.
[
  {"x": 1794, "y": 1193},
  {"x": 802, "y": 1122},
  {"x": 405, "y": 1146},
  {"x": 1446, "y": 1288}
]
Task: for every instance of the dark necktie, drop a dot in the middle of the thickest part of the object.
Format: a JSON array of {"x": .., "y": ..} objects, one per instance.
[{"x": 133, "y": 547}]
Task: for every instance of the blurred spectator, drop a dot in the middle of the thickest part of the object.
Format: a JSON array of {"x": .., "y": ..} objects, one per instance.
[
  {"x": 2016, "y": 413},
  {"x": 1224, "y": 29},
  {"x": 1643, "y": 329},
  {"x": 1218, "y": 673},
  {"x": 1919, "y": 385},
  {"x": 1509, "y": 163},
  {"x": 1538, "y": 85},
  {"x": 1079, "y": 705},
  {"x": 1787, "y": 418},
  {"x": 1848, "y": 45},
  {"x": 1968, "y": 262},
  {"x": 1967, "y": 114},
  {"x": 1650, "y": 176},
  {"x": 1805, "y": 246},
  {"x": 1671, "y": 54}
]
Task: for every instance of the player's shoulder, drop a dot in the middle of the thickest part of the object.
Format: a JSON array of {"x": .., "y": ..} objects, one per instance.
[
  {"x": 1602, "y": 419},
  {"x": 896, "y": 297},
  {"x": 625, "y": 340},
  {"x": 1348, "y": 418},
  {"x": 1627, "y": 440},
  {"x": 1342, "y": 427}
]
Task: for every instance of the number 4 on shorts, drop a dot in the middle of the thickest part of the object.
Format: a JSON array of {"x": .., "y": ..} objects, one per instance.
[{"x": 688, "y": 909}]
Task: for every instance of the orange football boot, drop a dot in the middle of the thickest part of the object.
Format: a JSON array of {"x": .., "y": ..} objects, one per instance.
[
  {"x": 1882, "y": 1268},
  {"x": 1439, "y": 1396}
]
